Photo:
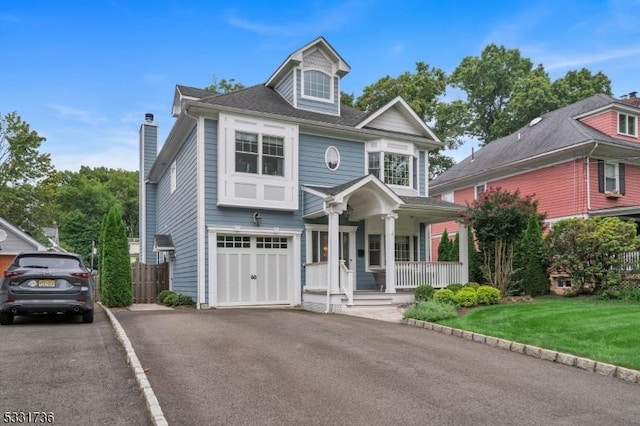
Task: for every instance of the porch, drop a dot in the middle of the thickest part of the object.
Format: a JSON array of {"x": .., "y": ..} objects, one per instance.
[
  {"x": 362, "y": 232},
  {"x": 346, "y": 294}
]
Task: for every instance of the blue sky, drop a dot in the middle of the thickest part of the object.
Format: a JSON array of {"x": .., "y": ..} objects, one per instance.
[{"x": 83, "y": 74}]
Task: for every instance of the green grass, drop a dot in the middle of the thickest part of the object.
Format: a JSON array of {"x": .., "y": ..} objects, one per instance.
[{"x": 607, "y": 331}]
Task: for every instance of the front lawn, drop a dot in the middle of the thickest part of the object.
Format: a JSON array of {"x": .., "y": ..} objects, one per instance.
[{"x": 607, "y": 331}]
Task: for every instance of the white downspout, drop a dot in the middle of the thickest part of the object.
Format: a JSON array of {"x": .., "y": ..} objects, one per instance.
[{"x": 588, "y": 183}]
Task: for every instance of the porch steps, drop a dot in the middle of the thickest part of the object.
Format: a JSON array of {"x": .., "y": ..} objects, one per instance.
[{"x": 367, "y": 299}]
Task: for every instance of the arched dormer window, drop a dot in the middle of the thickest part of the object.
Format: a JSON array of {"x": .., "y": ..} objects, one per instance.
[{"x": 317, "y": 85}]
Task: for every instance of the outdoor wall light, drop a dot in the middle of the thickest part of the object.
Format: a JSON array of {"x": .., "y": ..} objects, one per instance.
[{"x": 257, "y": 219}]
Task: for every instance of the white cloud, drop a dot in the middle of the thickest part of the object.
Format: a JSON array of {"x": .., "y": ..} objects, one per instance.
[
  {"x": 566, "y": 61},
  {"x": 396, "y": 49},
  {"x": 329, "y": 19},
  {"x": 77, "y": 114}
]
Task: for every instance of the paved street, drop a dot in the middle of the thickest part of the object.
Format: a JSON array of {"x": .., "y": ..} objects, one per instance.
[
  {"x": 257, "y": 366},
  {"x": 76, "y": 371}
]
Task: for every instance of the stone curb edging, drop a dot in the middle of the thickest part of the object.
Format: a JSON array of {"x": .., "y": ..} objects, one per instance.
[
  {"x": 157, "y": 416},
  {"x": 622, "y": 373}
]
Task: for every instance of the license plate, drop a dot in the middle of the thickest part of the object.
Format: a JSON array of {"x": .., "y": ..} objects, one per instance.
[{"x": 46, "y": 283}]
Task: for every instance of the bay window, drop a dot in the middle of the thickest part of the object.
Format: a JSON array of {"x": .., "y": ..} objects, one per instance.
[{"x": 393, "y": 169}]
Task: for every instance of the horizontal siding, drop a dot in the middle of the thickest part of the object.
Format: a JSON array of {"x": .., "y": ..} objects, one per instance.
[
  {"x": 632, "y": 189},
  {"x": 177, "y": 216},
  {"x": 313, "y": 170},
  {"x": 14, "y": 244},
  {"x": 559, "y": 188},
  {"x": 607, "y": 123},
  {"x": 285, "y": 88},
  {"x": 393, "y": 120},
  {"x": 311, "y": 203}
]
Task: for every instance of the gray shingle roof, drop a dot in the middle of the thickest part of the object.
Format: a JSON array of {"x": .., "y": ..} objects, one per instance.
[
  {"x": 431, "y": 202},
  {"x": 194, "y": 92},
  {"x": 335, "y": 189},
  {"x": 557, "y": 130},
  {"x": 261, "y": 98}
]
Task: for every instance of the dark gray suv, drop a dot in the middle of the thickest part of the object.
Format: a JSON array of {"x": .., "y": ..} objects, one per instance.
[{"x": 46, "y": 282}]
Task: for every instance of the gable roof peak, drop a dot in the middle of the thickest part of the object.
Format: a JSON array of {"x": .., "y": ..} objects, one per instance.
[{"x": 295, "y": 59}]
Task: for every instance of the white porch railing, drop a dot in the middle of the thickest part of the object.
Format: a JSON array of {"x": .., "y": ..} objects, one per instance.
[
  {"x": 346, "y": 282},
  {"x": 437, "y": 274},
  {"x": 316, "y": 276},
  {"x": 631, "y": 260}
]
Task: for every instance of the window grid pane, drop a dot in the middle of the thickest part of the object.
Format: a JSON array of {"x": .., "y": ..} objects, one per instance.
[
  {"x": 246, "y": 152},
  {"x": 272, "y": 155},
  {"x": 317, "y": 84},
  {"x": 374, "y": 164},
  {"x": 402, "y": 248},
  {"x": 610, "y": 177},
  {"x": 231, "y": 241},
  {"x": 271, "y": 242},
  {"x": 375, "y": 247},
  {"x": 396, "y": 169}
]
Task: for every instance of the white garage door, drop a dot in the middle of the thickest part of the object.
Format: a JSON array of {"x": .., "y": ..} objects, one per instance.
[{"x": 253, "y": 270}]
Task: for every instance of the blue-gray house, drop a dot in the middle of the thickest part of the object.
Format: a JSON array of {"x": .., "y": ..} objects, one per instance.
[{"x": 278, "y": 194}]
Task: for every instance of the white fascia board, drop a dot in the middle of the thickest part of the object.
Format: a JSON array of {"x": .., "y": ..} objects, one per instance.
[
  {"x": 368, "y": 179},
  {"x": 177, "y": 137},
  {"x": 315, "y": 192},
  {"x": 398, "y": 100},
  {"x": 253, "y": 230},
  {"x": 22, "y": 235}
]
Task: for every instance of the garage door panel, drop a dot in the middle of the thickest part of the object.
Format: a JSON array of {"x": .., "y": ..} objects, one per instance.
[{"x": 255, "y": 274}]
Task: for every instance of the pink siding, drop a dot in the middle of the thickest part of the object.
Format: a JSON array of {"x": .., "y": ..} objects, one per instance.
[
  {"x": 632, "y": 191},
  {"x": 607, "y": 123},
  {"x": 559, "y": 188}
]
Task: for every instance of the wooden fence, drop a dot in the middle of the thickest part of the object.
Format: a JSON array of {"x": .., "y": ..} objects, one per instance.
[{"x": 148, "y": 281}]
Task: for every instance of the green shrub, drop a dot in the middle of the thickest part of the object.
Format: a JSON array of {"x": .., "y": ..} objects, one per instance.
[
  {"x": 431, "y": 310},
  {"x": 467, "y": 297},
  {"x": 171, "y": 299},
  {"x": 488, "y": 295},
  {"x": 163, "y": 295},
  {"x": 115, "y": 269},
  {"x": 472, "y": 284},
  {"x": 183, "y": 299},
  {"x": 627, "y": 294},
  {"x": 424, "y": 292},
  {"x": 455, "y": 287},
  {"x": 444, "y": 295}
]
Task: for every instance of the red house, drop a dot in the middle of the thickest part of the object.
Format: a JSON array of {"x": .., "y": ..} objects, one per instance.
[{"x": 581, "y": 160}]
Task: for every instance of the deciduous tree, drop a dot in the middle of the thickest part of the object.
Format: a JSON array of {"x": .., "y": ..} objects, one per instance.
[{"x": 499, "y": 218}]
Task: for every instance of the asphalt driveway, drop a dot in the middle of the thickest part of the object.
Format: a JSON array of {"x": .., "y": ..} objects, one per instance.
[
  {"x": 76, "y": 371},
  {"x": 258, "y": 366}
]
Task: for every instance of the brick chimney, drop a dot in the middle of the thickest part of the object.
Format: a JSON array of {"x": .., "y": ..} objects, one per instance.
[{"x": 632, "y": 99}]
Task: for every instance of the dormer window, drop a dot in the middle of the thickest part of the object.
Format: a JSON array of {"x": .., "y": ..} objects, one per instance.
[
  {"x": 317, "y": 85},
  {"x": 627, "y": 124}
]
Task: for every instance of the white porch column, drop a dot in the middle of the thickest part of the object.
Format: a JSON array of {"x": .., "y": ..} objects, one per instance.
[
  {"x": 389, "y": 253},
  {"x": 333, "y": 255},
  {"x": 463, "y": 252}
]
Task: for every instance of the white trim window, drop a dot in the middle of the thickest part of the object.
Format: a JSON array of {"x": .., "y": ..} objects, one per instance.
[
  {"x": 375, "y": 250},
  {"x": 402, "y": 248},
  {"x": 332, "y": 158},
  {"x": 317, "y": 85},
  {"x": 611, "y": 176},
  {"x": 257, "y": 152},
  {"x": 627, "y": 124},
  {"x": 563, "y": 282},
  {"x": 479, "y": 190},
  {"x": 448, "y": 196},
  {"x": 393, "y": 169},
  {"x": 174, "y": 177},
  {"x": 257, "y": 163}
]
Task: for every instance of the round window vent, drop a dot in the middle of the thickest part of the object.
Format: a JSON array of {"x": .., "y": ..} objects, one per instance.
[{"x": 332, "y": 158}]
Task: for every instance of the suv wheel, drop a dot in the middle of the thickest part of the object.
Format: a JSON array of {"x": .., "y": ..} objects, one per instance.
[
  {"x": 87, "y": 317},
  {"x": 6, "y": 318}
]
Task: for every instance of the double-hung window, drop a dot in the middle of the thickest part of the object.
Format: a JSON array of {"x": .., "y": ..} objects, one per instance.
[
  {"x": 627, "y": 124},
  {"x": 611, "y": 177},
  {"x": 259, "y": 154}
]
